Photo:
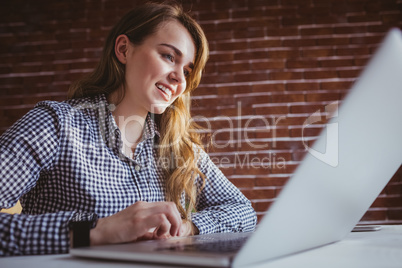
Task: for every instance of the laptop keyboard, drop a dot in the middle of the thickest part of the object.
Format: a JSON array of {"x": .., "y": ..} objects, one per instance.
[{"x": 210, "y": 245}]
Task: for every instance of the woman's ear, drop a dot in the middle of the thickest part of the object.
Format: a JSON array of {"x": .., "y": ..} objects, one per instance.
[{"x": 120, "y": 48}]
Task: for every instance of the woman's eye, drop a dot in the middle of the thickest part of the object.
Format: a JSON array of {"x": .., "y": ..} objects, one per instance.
[
  {"x": 169, "y": 57},
  {"x": 186, "y": 73}
]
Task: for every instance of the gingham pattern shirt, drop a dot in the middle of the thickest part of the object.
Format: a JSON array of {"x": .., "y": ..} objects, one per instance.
[{"x": 64, "y": 160}]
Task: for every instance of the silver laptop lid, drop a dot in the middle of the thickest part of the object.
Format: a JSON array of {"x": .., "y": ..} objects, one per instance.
[{"x": 345, "y": 170}]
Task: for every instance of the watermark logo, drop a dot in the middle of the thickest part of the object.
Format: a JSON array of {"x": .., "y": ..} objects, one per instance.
[{"x": 330, "y": 154}]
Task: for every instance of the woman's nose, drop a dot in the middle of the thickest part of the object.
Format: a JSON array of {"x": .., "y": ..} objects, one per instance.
[{"x": 177, "y": 76}]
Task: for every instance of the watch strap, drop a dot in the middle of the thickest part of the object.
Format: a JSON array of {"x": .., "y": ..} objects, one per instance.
[{"x": 80, "y": 226}]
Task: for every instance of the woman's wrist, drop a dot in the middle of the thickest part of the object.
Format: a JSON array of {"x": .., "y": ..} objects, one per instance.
[
  {"x": 97, "y": 234},
  {"x": 190, "y": 228},
  {"x": 94, "y": 237},
  {"x": 195, "y": 229}
]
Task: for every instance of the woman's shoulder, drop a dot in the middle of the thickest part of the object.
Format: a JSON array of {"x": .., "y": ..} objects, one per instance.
[
  {"x": 73, "y": 105},
  {"x": 87, "y": 106}
]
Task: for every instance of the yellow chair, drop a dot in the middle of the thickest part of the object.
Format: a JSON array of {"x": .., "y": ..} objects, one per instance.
[{"x": 14, "y": 210}]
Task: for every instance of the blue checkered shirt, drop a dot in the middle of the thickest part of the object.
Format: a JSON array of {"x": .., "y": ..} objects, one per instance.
[{"x": 63, "y": 160}]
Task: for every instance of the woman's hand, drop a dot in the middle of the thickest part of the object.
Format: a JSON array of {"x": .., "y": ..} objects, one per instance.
[{"x": 136, "y": 221}]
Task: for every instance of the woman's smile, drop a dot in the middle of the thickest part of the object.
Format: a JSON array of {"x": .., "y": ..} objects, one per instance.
[{"x": 166, "y": 91}]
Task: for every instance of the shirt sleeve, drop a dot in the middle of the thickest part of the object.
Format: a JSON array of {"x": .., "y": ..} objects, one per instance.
[
  {"x": 221, "y": 205},
  {"x": 27, "y": 149}
]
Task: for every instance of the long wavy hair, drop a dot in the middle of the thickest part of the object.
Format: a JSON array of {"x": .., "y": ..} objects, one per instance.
[{"x": 179, "y": 139}]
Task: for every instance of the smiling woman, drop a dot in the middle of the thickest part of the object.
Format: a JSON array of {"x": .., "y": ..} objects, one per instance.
[
  {"x": 121, "y": 159},
  {"x": 155, "y": 70}
]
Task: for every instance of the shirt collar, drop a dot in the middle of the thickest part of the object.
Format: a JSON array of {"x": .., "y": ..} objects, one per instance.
[{"x": 150, "y": 128}]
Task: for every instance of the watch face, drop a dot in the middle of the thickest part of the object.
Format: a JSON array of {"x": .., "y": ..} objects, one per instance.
[{"x": 79, "y": 233}]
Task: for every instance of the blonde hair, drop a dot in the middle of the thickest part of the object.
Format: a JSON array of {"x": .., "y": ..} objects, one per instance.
[{"x": 179, "y": 140}]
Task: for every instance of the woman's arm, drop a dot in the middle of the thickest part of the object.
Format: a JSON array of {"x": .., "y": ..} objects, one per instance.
[
  {"x": 26, "y": 149},
  {"x": 221, "y": 206},
  {"x": 34, "y": 234}
]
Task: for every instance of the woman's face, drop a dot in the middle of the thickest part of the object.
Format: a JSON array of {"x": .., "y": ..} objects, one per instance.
[{"x": 156, "y": 70}]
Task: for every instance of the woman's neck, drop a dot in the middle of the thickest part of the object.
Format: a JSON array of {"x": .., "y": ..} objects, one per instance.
[{"x": 130, "y": 120}]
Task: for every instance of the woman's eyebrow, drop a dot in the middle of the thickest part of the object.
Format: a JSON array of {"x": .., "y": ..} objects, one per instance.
[{"x": 178, "y": 52}]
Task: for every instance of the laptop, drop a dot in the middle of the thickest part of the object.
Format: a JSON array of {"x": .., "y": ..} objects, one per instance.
[{"x": 343, "y": 172}]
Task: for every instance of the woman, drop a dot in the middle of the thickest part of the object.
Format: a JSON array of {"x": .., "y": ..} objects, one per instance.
[{"x": 121, "y": 160}]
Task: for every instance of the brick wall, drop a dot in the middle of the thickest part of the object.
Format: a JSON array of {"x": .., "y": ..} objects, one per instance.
[{"x": 272, "y": 64}]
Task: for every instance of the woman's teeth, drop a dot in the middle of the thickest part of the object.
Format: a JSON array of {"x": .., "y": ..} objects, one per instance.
[{"x": 164, "y": 89}]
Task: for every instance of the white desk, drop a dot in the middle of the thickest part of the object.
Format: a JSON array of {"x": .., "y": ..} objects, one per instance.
[{"x": 367, "y": 249}]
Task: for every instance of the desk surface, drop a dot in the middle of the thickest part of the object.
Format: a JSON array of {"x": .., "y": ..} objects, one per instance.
[{"x": 366, "y": 249}]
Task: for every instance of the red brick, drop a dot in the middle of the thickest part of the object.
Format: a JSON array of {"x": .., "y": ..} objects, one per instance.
[
  {"x": 259, "y": 194},
  {"x": 280, "y": 11},
  {"x": 307, "y": 132},
  {"x": 273, "y": 132},
  {"x": 216, "y": 79},
  {"x": 349, "y": 73},
  {"x": 388, "y": 201},
  {"x": 364, "y": 18},
  {"x": 318, "y": 52},
  {"x": 266, "y": 21},
  {"x": 391, "y": 18},
  {"x": 286, "y": 75},
  {"x": 226, "y": 46},
  {"x": 271, "y": 181},
  {"x": 271, "y": 110},
  {"x": 285, "y": 98},
  {"x": 320, "y": 74},
  {"x": 221, "y": 57},
  {"x": 302, "y": 63},
  {"x": 323, "y": 97},
  {"x": 291, "y": 21},
  {"x": 298, "y": 42},
  {"x": 337, "y": 63},
  {"x": 247, "y": 13},
  {"x": 350, "y": 29},
  {"x": 243, "y": 183},
  {"x": 216, "y": 15},
  {"x": 262, "y": 206},
  {"x": 317, "y": 31},
  {"x": 264, "y": 3},
  {"x": 264, "y": 43},
  {"x": 267, "y": 65},
  {"x": 227, "y": 171},
  {"x": 299, "y": 86},
  {"x": 341, "y": 85},
  {"x": 375, "y": 215},
  {"x": 395, "y": 214},
  {"x": 233, "y": 67},
  {"x": 289, "y": 145},
  {"x": 250, "y": 55},
  {"x": 249, "y": 33},
  {"x": 283, "y": 53},
  {"x": 366, "y": 40},
  {"x": 288, "y": 31},
  {"x": 230, "y": 90},
  {"x": 254, "y": 76},
  {"x": 268, "y": 87},
  {"x": 394, "y": 189},
  {"x": 219, "y": 35}
]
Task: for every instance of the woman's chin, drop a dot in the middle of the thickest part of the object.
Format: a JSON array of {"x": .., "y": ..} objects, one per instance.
[{"x": 159, "y": 108}]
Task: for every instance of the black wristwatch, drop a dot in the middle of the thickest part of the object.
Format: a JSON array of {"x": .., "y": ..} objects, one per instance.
[{"x": 80, "y": 226}]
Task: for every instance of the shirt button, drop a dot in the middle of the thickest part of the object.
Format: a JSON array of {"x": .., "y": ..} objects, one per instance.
[{"x": 137, "y": 167}]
